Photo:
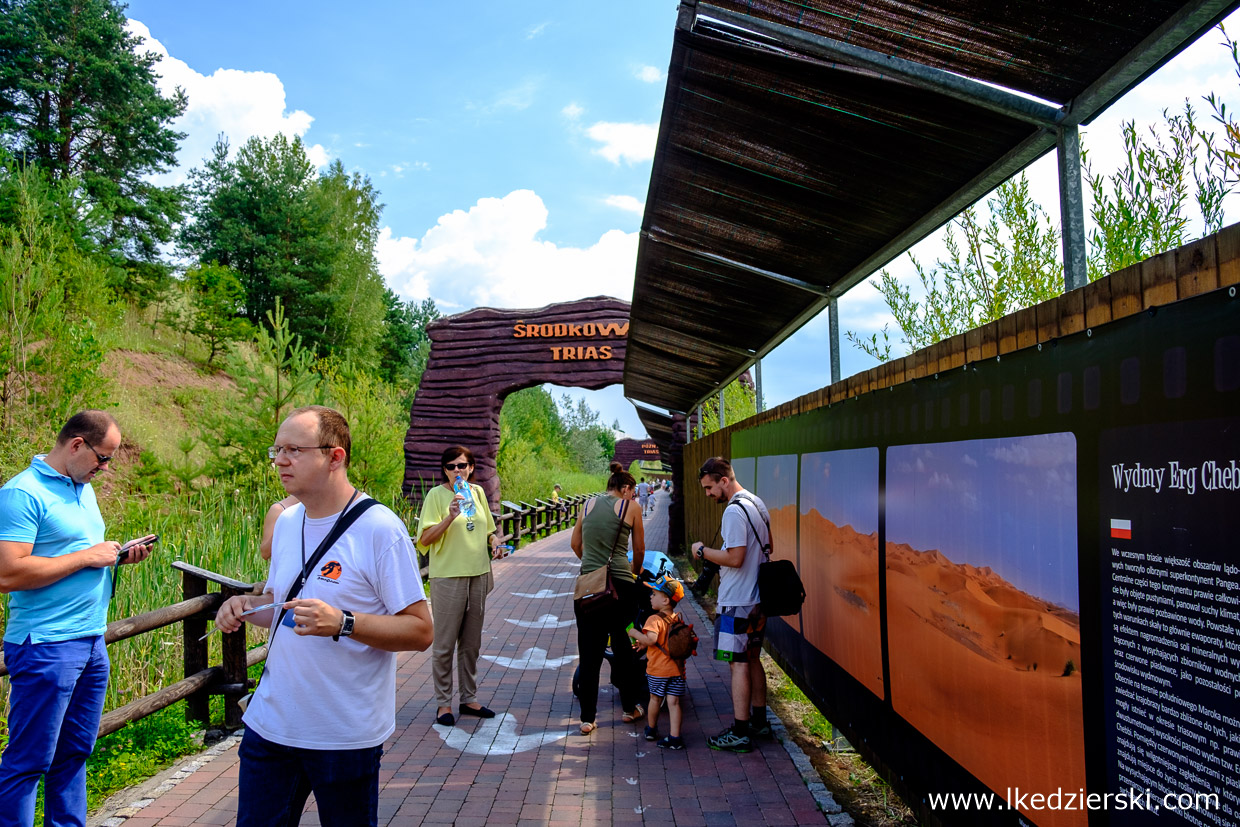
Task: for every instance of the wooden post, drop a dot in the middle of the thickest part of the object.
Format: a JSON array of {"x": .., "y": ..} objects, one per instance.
[
  {"x": 197, "y": 705},
  {"x": 235, "y": 670}
]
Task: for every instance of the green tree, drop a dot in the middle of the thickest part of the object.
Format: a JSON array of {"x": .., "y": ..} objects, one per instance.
[
  {"x": 78, "y": 101},
  {"x": 216, "y": 298},
  {"x": 49, "y": 354},
  {"x": 739, "y": 402},
  {"x": 377, "y": 423},
  {"x": 259, "y": 214},
  {"x": 356, "y": 328},
  {"x": 405, "y": 345},
  {"x": 274, "y": 377},
  {"x": 1009, "y": 262}
]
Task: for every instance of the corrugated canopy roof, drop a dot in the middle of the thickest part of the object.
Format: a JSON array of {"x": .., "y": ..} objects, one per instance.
[{"x": 785, "y": 174}]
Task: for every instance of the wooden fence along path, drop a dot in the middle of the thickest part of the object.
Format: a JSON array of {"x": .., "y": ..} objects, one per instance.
[{"x": 529, "y": 765}]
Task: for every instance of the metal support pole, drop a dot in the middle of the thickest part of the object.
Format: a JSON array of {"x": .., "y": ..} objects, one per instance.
[
  {"x": 722, "y": 418},
  {"x": 833, "y": 317},
  {"x": 1072, "y": 208},
  {"x": 757, "y": 385},
  {"x": 699, "y": 423}
]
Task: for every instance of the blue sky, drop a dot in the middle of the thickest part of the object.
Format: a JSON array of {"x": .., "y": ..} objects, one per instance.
[
  {"x": 511, "y": 142},
  {"x": 843, "y": 487},
  {"x": 1005, "y": 503}
]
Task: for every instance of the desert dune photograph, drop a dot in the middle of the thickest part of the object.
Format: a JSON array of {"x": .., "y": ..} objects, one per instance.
[
  {"x": 839, "y": 560},
  {"x": 983, "y": 608}
]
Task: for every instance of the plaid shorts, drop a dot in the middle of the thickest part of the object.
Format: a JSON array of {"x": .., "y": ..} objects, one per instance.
[
  {"x": 662, "y": 687},
  {"x": 739, "y": 630}
]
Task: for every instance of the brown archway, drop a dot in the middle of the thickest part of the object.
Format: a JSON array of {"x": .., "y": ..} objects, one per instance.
[{"x": 479, "y": 357}]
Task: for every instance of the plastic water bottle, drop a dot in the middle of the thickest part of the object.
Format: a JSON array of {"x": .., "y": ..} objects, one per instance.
[{"x": 467, "y": 502}]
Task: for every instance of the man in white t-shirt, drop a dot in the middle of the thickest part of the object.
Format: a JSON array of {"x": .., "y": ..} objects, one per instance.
[
  {"x": 643, "y": 495},
  {"x": 739, "y": 622},
  {"x": 327, "y": 699}
]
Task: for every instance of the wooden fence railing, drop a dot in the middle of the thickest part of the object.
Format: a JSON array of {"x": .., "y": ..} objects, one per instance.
[
  {"x": 522, "y": 520},
  {"x": 201, "y": 681}
]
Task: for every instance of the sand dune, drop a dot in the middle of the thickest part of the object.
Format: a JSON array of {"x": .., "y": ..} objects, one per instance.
[
  {"x": 839, "y": 568},
  {"x": 977, "y": 665}
]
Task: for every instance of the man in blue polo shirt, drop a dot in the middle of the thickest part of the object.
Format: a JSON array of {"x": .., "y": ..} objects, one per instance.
[{"x": 58, "y": 568}]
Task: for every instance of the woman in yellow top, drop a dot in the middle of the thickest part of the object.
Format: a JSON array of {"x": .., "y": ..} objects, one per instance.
[{"x": 460, "y": 573}]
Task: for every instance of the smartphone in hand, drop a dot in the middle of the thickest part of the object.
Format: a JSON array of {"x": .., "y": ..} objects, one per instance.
[{"x": 148, "y": 540}]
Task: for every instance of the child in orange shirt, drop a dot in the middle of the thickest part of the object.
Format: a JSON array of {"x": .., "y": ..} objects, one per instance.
[{"x": 665, "y": 676}]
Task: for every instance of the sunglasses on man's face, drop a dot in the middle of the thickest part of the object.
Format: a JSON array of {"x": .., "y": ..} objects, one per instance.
[{"x": 460, "y": 466}]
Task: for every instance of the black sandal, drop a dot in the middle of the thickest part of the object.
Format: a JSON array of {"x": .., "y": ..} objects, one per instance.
[
  {"x": 480, "y": 712},
  {"x": 446, "y": 719}
]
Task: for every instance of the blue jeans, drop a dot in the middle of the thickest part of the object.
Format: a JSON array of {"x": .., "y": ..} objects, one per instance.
[
  {"x": 56, "y": 693},
  {"x": 276, "y": 781}
]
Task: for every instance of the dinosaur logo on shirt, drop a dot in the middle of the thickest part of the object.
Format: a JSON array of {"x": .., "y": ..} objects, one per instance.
[{"x": 331, "y": 570}]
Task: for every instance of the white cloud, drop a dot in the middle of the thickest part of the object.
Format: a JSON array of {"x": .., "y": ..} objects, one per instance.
[
  {"x": 516, "y": 98},
  {"x": 491, "y": 255},
  {"x": 648, "y": 74},
  {"x": 625, "y": 202},
  {"x": 534, "y": 31},
  {"x": 572, "y": 111},
  {"x": 628, "y": 142},
  {"x": 239, "y": 104}
]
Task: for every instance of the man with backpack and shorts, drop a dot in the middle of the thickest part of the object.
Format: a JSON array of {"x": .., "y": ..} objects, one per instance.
[{"x": 739, "y": 622}]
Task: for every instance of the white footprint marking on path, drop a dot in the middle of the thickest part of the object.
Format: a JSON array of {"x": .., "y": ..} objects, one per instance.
[
  {"x": 564, "y": 575},
  {"x": 497, "y": 736},
  {"x": 534, "y": 658},
  {"x": 544, "y": 594},
  {"x": 544, "y": 622}
]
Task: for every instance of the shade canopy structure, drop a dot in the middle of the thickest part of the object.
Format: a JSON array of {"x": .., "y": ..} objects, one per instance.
[
  {"x": 659, "y": 427},
  {"x": 804, "y": 145}
]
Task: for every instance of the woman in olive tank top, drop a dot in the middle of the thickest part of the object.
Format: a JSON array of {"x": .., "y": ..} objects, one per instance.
[{"x": 601, "y": 538}]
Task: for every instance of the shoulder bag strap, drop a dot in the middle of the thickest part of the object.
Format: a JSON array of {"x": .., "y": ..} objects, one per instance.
[
  {"x": 766, "y": 547},
  {"x": 335, "y": 534}
]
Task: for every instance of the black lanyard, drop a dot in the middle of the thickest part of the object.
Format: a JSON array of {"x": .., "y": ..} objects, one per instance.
[{"x": 303, "y": 532}]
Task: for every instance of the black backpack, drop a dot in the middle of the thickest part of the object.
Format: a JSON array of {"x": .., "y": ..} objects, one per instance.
[{"x": 780, "y": 590}]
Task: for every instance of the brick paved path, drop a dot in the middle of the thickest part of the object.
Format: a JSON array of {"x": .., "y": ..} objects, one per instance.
[{"x": 529, "y": 765}]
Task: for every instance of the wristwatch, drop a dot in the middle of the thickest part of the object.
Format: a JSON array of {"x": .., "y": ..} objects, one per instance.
[
  {"x": 701, "y": 551},
  {"x": 346, "y": 625}
]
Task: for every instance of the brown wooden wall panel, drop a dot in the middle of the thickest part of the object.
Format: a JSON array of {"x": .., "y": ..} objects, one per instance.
[
  {"x": 1071, "y": 312},
  {"x": 1228, "y": 255},
  {"x": 956, "y": 353},
  {"x": 1007, "y": 334},
  {"x": 1047, "y": 315},
  {"x": 1196, "y": 267},
  {"x": 1126, "y": 292},
  {"x": 1026, "y": 328},
  {"x": 1158, "y": 283},
  {"x": 1097, "y": 302}
]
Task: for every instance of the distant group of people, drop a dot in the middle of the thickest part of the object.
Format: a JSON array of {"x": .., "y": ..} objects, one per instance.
[{"x": 343, "y": 596}]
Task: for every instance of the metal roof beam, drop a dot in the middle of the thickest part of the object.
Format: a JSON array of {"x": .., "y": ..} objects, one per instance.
[
  {"x": 917, "y": 74},
  {"x": 663, "y": 238},
  {"x": 1188, "y": 24},
  {"x": 1025, "y": 153}
]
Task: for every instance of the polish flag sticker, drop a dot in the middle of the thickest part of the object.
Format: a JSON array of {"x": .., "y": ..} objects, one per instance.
[{"x": 1121, "y": 529}]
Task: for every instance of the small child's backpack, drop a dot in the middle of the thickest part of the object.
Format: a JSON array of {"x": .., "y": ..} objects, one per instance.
[{"x": 681, "y": 641}]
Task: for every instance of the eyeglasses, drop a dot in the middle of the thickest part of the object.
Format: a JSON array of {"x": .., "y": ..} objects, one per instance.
[
  {"x": 460, "y": 466},
  {"x": 102, "y": 459},
  {"x": 293, "y": 451}
]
